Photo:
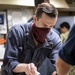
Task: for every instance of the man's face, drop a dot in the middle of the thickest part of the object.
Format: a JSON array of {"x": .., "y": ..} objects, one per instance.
[{"x": 45, "y": 21}]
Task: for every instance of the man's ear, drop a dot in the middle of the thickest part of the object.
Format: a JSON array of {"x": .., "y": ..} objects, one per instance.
[{"x": 34, "y": 18}]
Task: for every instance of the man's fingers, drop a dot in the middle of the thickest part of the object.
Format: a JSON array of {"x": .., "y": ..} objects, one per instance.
[
  {"x": 33, "y": 69},
  {"x": 28, "y": 70},
  {"x": 54, "y": 73}
]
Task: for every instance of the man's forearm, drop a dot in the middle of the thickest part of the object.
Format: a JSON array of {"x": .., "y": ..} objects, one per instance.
[
  {"x": 19, "y": 68},
  {"x": 29, "y": 69},
  {"x": 62, "y": 67}
]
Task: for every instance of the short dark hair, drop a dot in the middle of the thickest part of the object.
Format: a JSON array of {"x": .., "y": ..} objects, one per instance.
[
  {"x": 46, "y": 8},
  {"x": 65, "y": 24},
  {"x": 36, "y": 2}
]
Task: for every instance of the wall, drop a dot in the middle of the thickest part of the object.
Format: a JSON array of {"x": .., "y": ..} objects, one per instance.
[
  {"x": 19, "y": 16},
  {"x": 69, "y": 19}
]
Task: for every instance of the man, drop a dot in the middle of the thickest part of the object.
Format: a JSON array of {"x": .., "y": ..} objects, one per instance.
[
  {"x": 28, "y": 45},
  {"x": 64, "y": 29},
  {"x": 47, "y": 68},
  {"x": 66, "y": 55}
]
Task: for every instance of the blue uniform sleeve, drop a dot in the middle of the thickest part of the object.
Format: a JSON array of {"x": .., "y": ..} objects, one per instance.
[
  {"x": 67, "y": 52},
  {"x": 55, "y": 39},
  {"x": 12, "y": 50},
  {"x": 55, "y": 51}
]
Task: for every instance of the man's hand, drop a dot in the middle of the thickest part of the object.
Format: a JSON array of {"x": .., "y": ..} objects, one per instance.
[
  {"x": 54, "y": 73},
  {"x": 31, "y": 69}
]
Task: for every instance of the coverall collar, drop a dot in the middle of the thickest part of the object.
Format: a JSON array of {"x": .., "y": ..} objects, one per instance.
[{"x": 31, "y": 42}]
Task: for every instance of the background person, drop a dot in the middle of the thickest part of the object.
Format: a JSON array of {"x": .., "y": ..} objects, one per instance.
[
  {"x": 64, "y": 30},
  {"x": 37, "y": 3}
]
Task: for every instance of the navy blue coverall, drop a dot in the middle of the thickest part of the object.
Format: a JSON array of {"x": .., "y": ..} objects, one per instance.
[{"x": 21, "y": 48}]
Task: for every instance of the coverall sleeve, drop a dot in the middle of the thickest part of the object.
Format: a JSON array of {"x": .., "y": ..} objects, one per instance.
[
  {"x": 12, "y": 50},
  {"x": 56, "y": 47}
]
